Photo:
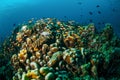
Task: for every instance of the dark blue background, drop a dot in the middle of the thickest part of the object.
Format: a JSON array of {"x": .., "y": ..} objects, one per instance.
[{"x": 20, "y": 11}]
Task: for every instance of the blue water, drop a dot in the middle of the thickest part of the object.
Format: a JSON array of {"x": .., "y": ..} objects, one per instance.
[{"x": 14, "y": 12}]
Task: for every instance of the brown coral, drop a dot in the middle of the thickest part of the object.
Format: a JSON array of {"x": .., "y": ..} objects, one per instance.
[
  {"x": 69, "y": 41},
  {"x": 44, "y": 48}
]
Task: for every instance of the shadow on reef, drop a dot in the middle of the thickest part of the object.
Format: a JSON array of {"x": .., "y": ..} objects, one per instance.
[
  {"x": 7, "y": 49},
  {"x": 49, "y": 49}
]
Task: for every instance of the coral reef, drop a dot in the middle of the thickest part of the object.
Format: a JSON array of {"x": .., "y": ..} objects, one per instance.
[{"x": 49, "y": 49}]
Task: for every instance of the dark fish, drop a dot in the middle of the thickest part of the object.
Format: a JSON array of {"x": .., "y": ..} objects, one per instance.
[
  {"x": 99, "y": 12},
  {"x": 90, "y": 13},
  {"x": 14, "y": 24},
  {"x": 91, "y": 20},
  {"x": 81, "y": 15},
  {"x": 65, "y": 16},
  {"x": 79, "y": 3},
  {"x": 103, "y": 22},
  {"x": 98, "y": 6},
  {"x": 99, "y": 23},
  {"x": 113, "y": 10}
]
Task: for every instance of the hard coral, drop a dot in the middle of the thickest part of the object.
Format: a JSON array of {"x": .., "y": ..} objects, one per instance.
[
  {"x": 50, "y": 49},
  {"x": 22, "y": 55},
  {"x": 32, "y": 75},
  {"x": 55, "y": 58}
]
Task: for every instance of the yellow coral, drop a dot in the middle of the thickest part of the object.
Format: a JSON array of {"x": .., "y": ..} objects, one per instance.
[
  {"x": 32, "y": 75},
  {"x": 36, "y": 49},
  {"x": 23, "y": 51},
  {"x": 22, "y": 55}
]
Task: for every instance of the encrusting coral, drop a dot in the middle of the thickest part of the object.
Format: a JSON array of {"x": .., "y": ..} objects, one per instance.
[{"x": 49, "y": 49}]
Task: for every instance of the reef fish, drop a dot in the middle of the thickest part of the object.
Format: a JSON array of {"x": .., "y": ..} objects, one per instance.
[{"x": 90, "y": 13}]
